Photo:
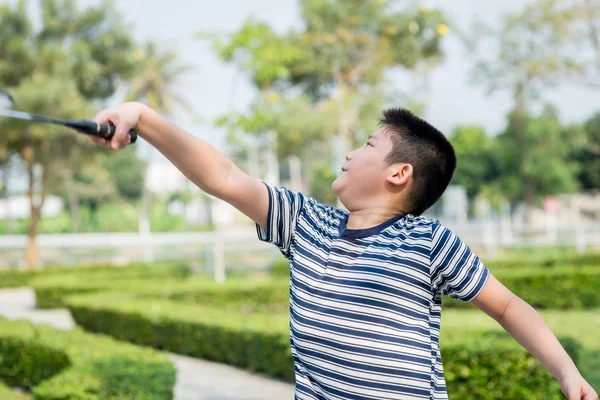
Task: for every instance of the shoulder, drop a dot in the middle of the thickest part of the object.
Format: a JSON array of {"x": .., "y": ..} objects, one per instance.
[{"x": 317, "y": 211}]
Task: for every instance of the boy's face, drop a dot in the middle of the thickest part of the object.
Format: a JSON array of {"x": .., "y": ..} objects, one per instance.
[{"x": 362, "y": 182}]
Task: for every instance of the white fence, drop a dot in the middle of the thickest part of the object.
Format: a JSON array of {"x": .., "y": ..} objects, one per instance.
[{"x": 219, "y": 252}]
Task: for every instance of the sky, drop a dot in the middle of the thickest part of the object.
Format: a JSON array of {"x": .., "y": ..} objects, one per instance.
[{"x": 214, "y": 88}]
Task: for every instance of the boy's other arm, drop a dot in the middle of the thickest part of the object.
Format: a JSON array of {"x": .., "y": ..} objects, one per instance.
[
  {"x": 528, "y": 328},
  {"x": 200, "y": 162}
]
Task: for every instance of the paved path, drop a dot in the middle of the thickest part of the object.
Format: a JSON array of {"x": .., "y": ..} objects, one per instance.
[{"x": 196, "y": 379}]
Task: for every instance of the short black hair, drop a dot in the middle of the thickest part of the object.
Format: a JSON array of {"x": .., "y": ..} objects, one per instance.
[{"x": 431, "y": 155}]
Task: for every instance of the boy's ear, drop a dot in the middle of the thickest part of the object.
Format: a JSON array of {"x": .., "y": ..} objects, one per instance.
[{"x": 400, "y": 175}]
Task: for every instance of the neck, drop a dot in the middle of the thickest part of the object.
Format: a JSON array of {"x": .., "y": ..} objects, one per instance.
[{"x": 368, "y": 218}]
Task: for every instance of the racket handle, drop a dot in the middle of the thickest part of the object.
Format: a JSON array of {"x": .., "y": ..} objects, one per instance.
[
  {"x": 108, "y": 131},
  {"x": 105, "y": 131}
]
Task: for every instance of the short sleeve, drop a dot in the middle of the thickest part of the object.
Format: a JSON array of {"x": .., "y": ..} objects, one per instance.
[
  {"x": 284, "y": 208},
  {"x": 455, "y": 270}
]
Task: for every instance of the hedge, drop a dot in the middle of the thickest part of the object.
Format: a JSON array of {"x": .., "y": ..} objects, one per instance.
[
  {"x": 248, "y": 294},
  {"x": 492, "y": 366},
  {"x": 257, "y": 342},
  {"x": 545, "y": 261},
  {"x": 59, "y": 365},
  {"x": 486, "y": 366},
  {"x": 51, "y": 288},
  {"x": 561, "y": 288},
  {"x": 20, "y": 278}
]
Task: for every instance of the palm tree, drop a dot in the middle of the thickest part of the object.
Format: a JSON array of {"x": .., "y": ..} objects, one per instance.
[{"x": 156, "y": 84}]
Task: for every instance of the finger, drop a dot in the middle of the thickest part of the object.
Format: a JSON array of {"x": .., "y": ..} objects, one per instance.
[
  {"x": 589, "y": 393},
  {"x": 121, "y": 137},
  {"x": 106, "y": 116}
]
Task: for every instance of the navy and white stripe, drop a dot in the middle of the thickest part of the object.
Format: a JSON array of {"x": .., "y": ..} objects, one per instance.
[{"x": 365, "y": 305}]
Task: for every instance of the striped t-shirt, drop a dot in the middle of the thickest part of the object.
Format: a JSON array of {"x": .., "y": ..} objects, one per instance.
[{"x": 365, "y": 304}]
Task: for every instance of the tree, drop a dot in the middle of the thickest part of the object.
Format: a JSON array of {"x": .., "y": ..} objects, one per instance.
[
  {"x": 572, "y": 31},
  {"x": 477, "y": 164},
  {"x": 157, "y": 79},
  {"x": 588, "y": 154},
  {"x": 520, "y": 58},
  {"x": 74, "y": 57},
  {"x": 339, "y": 58},
  {"x": 539, "y": 167}
]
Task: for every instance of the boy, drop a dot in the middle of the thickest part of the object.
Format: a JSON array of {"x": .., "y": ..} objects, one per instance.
[{"x": 366, "y": 284}]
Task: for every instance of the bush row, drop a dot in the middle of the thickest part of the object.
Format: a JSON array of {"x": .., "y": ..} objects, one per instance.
[
  {"x": 242, "y": 294},
  {"x": 492, "y": 366},
  {"x": 20, "y": 278},
  {"x": 256, "y": 342},
  {"x": 525, "y": 259},
  {"x": 77, "y": 365},
  {"x": 562, "y": 289},
  {"x": 485, "y": 366}
]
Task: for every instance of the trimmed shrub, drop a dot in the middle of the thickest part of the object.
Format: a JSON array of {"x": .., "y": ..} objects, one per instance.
[
  {"x": 27, "y": 363},
  {"x": 562, "y": 288},
  {"x": 78, "y": 365},
  {"x": 493, "y": 366},
  {"x": 50, "y": 290},
  {"x": 266, "y": 296},
  {"x": 478, "y": 365},
  {"x": 20, "y": 278},
  {"x": 526, "y": 260},
  {"x": 256, "y": 342}
]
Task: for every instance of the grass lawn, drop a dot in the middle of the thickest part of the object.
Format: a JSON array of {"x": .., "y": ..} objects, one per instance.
[{"x": 584, "y": 326}]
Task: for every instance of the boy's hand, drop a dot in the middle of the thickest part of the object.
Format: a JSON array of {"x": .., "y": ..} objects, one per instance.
[
  {"x": 124, "y": 117},
  {"x": 576, "y": 388}
]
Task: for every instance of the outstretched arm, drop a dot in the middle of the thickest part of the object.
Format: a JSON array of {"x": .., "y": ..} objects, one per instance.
[
  {"x": 528, "y": 328},
  {"x": 200, "y": 162}
]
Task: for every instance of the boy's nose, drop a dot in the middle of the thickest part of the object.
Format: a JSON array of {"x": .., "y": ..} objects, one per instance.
[{"x": 348, "y": 157}]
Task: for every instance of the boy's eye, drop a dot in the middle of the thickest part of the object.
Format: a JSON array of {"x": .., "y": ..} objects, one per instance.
[{"x": 368, "y": 144}]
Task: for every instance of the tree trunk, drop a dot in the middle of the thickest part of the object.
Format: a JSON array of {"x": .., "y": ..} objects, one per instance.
[
  {"x": 36, "y": 203},
  {"x": 9, "y": 219}
]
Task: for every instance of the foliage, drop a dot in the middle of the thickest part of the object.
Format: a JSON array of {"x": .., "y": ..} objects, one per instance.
[
  {"x": 93, "y": 273},
  {"x": 589, "y": 154},
  {"x": 534, "y": 160},
  {"x": 570, "y": 31},
  {"x": 320, "y": 184},
  {"x": 27, "y": 364},
  {"x": 8, "y": 393},
  {"x": 567, "y": 288},
  {"x": 254, "y": 341},
  {"x": 489, "y": 367},
  {"x": 100, "y": 367},
  {"x": 73, "y": 57},
  {"x": 477, "y": 164},
  {"x": 336, "y": 62},
  {"x": 158, "y": 73},
  {"x": 530, "y": 52}
]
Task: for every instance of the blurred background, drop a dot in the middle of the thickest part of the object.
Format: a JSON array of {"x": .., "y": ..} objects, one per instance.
[{"x": 284, "y": 88}]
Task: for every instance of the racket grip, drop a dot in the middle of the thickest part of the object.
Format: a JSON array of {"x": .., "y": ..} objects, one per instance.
[
  {"x": 108, "y": 131},
  {"x": 105, "y": 131}
]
